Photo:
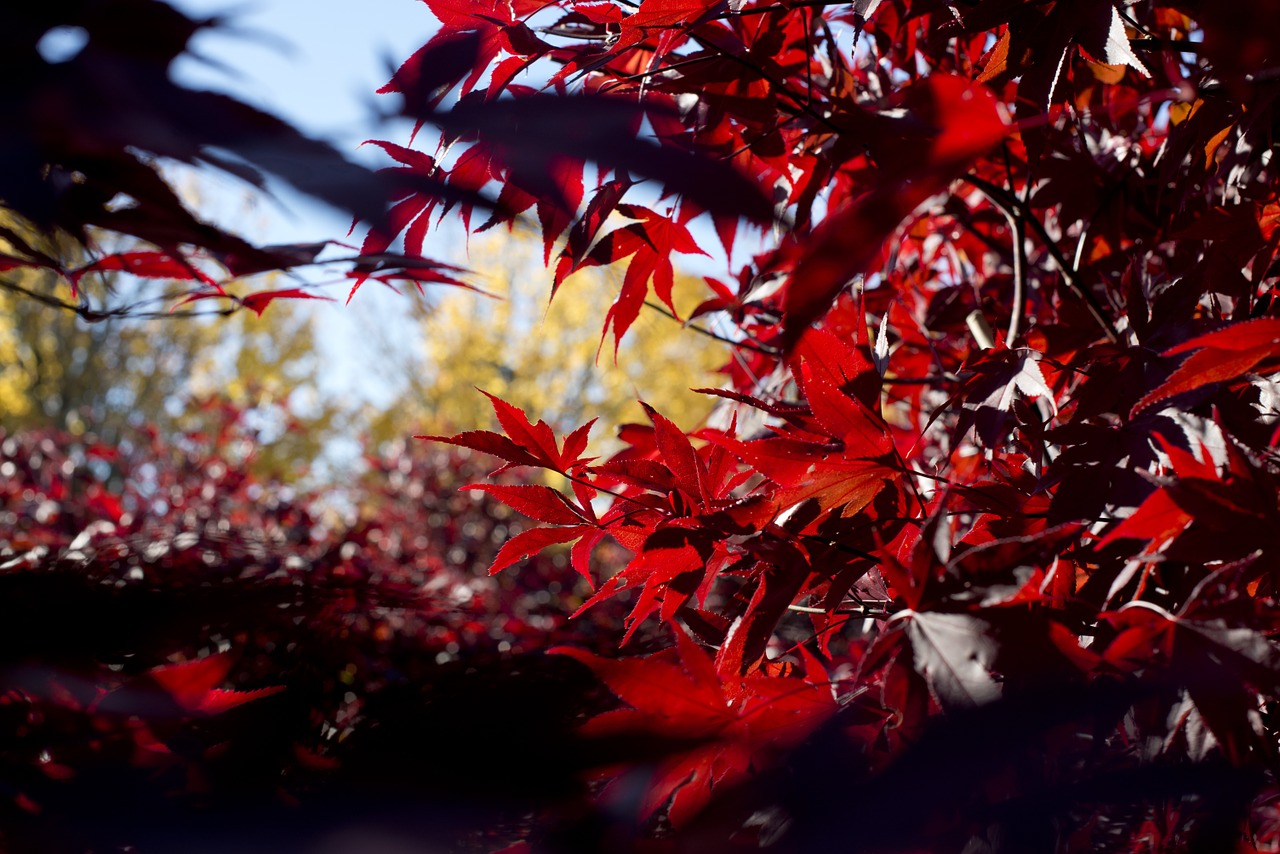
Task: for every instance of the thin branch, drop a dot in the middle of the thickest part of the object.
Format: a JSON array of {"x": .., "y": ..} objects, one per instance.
[
  {"x": 1153, "y": 43},
  {"x": 863, "y": 611},
  {"x": 195, "y": 312},
  {"x": 653, "y": 72},
  {"x": 1019, "y": 307},
  {"x": 604, "y": 489},
  {"x": 744, "y": 344},
  {"x": 849, "y": 550},
  {"x": 51, "y": 301},
  {"x": 1070, "y": 277},
  {"x": 983, "y": 237},
  {"x": 779, "y": 86},
  {"x": 764, "y": 10}
]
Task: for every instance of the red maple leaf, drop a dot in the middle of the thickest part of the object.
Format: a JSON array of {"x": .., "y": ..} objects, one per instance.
[
  {"x": 1222, "y": 356},
  {"x": 649, "y": 244},
  {"x": 523, "y": 444},
  {"x": 739, "y": 722}
]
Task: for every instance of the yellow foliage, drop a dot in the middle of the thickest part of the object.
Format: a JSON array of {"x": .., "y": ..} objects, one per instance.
[
  {"x": 14, "y": 398},
  {"x": 58, "y": 370},
  {"x": 269, "y": 366},
  {"x": 543, "y": 358}
]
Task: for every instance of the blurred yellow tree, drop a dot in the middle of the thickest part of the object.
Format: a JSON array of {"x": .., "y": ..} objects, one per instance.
[
  {"x": 543, "y": 358},
  {"x": 57, "y": 369},
  {"x": 268, "y": 367}
]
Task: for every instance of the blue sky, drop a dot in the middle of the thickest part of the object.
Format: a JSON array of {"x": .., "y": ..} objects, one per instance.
[{"x": 315, "y": 64}]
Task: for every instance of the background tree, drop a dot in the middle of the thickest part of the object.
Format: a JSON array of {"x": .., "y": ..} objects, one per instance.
[
  {"x": 115, "y": 373},
  {"x": 543, "y": 357},
  {"x": 268, "y": 369}
]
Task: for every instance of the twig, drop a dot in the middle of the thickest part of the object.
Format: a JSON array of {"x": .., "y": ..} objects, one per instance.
[
  {"x": 52, "y": 302},
  {"x": 1179, "y": 45},
  {"x": 1019, "y": 231},
  {"x": 1070, "y": 277},
  {"x": 653, "y": 72},
  {"x": 779, "y": 86},
  {"x": 744, "y": 344},
  {"x": 1018, "y": 309},
  {"x": 864, "y": 611}
]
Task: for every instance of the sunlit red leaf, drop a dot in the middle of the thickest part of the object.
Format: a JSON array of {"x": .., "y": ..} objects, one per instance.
[
  {"x": 535, "y": 501},
  {"x": 528, "y": 543},
  {"x": 154, "y": 265},
  {"x": 257, "y": 303},
  {"x": 193, "y": 685},
  {"x": 739, "y": 722},
  {"x": 1220, "y": 356},
  {"x": 524, "y": 444},
  {"x": 963, "y": 121}
]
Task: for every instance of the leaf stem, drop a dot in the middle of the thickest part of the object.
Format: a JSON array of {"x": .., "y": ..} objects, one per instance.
[
  {"x": 51, "y": 301},
  {"x": 863, "y": 610},
  {"x": 799, "y": 4},
  {"x": 1019, "y": 302},
  {"x": 779, "y": 86},
  {"x": 746, "y": 345}
]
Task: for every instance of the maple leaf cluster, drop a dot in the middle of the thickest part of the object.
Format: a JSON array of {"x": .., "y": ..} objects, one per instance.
[
  {"x": 997, "y": 434},
  {"x": 90, "y": 132}
]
